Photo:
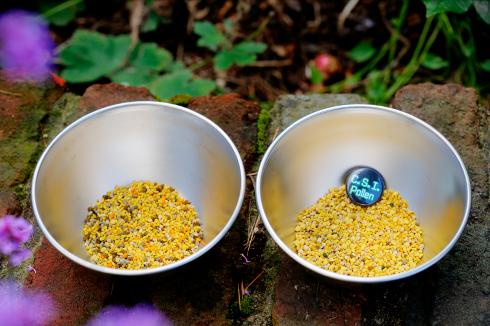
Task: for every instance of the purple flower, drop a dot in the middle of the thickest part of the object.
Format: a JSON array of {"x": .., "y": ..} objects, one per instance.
[
  {"x": 139, "y": 315},
  {"x": 14, "y": 232},
  {"x": 25, "y": 46},
  {"x": 19, "y": 307}
]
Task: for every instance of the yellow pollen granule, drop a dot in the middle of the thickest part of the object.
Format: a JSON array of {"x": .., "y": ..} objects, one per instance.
[
  {"x": 142, "y": 225},
  {"x": 340, "y": 236}
]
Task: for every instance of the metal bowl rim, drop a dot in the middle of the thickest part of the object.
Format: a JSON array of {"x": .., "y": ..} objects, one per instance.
[
  {"x": 115, "y": 271},
  {"x": 360, "y": 279}
]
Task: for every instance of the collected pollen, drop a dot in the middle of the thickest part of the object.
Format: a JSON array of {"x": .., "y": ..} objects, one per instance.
[
  {"x": 142, "y": 225},
  {"x": 340, "y": 236}
]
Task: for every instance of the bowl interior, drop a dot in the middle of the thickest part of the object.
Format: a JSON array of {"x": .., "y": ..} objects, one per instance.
[
  {"x": 311, "y": 157},
  {"x": 130, "y": 142}
]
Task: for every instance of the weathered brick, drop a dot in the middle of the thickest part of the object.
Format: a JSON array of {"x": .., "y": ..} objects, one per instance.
[{"x": 460, "y": 285}]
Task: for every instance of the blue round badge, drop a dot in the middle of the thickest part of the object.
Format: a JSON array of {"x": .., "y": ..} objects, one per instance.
[{"x": 364, "y": 186}]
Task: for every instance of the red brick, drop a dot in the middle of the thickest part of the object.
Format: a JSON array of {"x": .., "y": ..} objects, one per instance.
[
  {"x": 304, "y": 298},
  {"x": 77, "y": 291},
  {"x": 236, "y": 116},
  {"x": 102, "y": 95}
]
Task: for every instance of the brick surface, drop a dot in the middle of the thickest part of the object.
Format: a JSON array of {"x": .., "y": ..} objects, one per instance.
[
  {"x": 234, "y": 115},
  {"x": 460, "y": 285},
  {"x": 99, "y": 96}
]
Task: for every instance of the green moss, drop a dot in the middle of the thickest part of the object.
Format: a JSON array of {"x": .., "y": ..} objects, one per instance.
[
  {"x": 181, "y": 99},
  {"x": 245, "y": 309},
  {"x": 262, "y": 127}
]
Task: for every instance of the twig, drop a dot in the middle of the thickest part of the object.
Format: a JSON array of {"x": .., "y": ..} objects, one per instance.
[
  {"x": 261, "y": 28},
  {"x": 9, "y": 93},
  {"x": 344, "y": 14},
  {"x": 135, "y": 21},
  {"x": 253, "y": 281},
  {"x": 239, "y": 298},
  {"x": 316, "y": 22},
  {"x": 272, "y": 63}
]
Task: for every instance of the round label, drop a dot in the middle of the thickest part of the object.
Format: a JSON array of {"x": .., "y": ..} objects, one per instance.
[{"x": 364, "y": 186}]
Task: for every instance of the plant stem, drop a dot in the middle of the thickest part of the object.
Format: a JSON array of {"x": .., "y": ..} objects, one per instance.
[
  {"x": 418, "y": 56},
  {"x": 61, "y": 7},
  {"x": 395, "y": 35},
  {"x": 360, "y": 73},
  {"x": 200, "y": 64},
  {"x": 259, "y": 30}
]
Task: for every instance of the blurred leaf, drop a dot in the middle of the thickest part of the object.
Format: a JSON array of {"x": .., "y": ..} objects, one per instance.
[
  {"x": 438, "y": 6},
  {"x": 375, "y": 89},
  {"x": 181, "y": 82},
  {"x": 175, "y": 66},
  {"x": 362, "y": 52},
  {"x": 485, "y": 65},
  {"x": 316, "y": 76},
  {"x": 133, "y": 76},
  {"x": 60, "y": 17},
  {"x": 434, "y": 62},
  {"x": 151, "y": 22},
  {"x": 210, "y": 37},
  {"x": 150, "y": 56},
  {"x": 482, "y": 7},
  {"x": 88, "y": 55},
  {"x": 242, "y": 54}
]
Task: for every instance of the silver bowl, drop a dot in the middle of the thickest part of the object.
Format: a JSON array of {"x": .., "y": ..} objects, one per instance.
[
  {"x": 314, "y": 153},
  {"x": 133, "y": 141}
]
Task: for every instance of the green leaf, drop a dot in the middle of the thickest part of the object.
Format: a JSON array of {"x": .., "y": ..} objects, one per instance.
[
  {"x": 316, "y": 75},
  {"x": 482, "y": 7},
  {"x": 362, "y": 52},
  {"x": 434, "y": 7},
  {"x": 150, "y": 56},
  {"x": 88, "y": 55},
  {"x": 54, "y": 14},
  {"x": 242, "y": 54},
  {"x": 133, "y": 76},
  {"x": 375, "y": 89},
  {"x": 210, "y": 37},
  {"x": 485, "y": 65},
  {"x": 181, "y": 82},
  {"x": 175, "y": 66},
  {"x": 434, "y": 62},
  {"x": 151, "y": 22}
]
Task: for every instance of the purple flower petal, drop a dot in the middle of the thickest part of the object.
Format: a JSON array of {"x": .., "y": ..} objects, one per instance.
[
  {"x": 19, "y": 307},
  {"x": 138, "y": 315},
  {"x": 14, "y": 232},
  {"x": 25, "y": 46},
  {"x": 18, "y": 256}
]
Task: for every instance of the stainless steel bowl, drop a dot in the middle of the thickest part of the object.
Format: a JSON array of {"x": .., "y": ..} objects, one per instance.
[
  {"x": 313, "y": 154},
  {"x": 136, "y": 141}
]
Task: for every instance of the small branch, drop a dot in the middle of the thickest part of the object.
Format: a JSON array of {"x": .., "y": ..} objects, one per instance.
[
  {"x": 9, "y": 93},
  {"x": 135, "y": 21},
  {"x": 344, "y": 14},
  {"x": 271, "y": 63}
]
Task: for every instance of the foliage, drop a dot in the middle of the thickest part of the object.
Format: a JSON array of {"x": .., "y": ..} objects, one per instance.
[
  {"x": 60, "y": 14},
  {"x": 89, "y": 56},
  {"x": 380, "y": 74},
  {"x": 227, "y": 54},
  {"x": 362, "y": 52},
  {"x": 434, "y": 7}
]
